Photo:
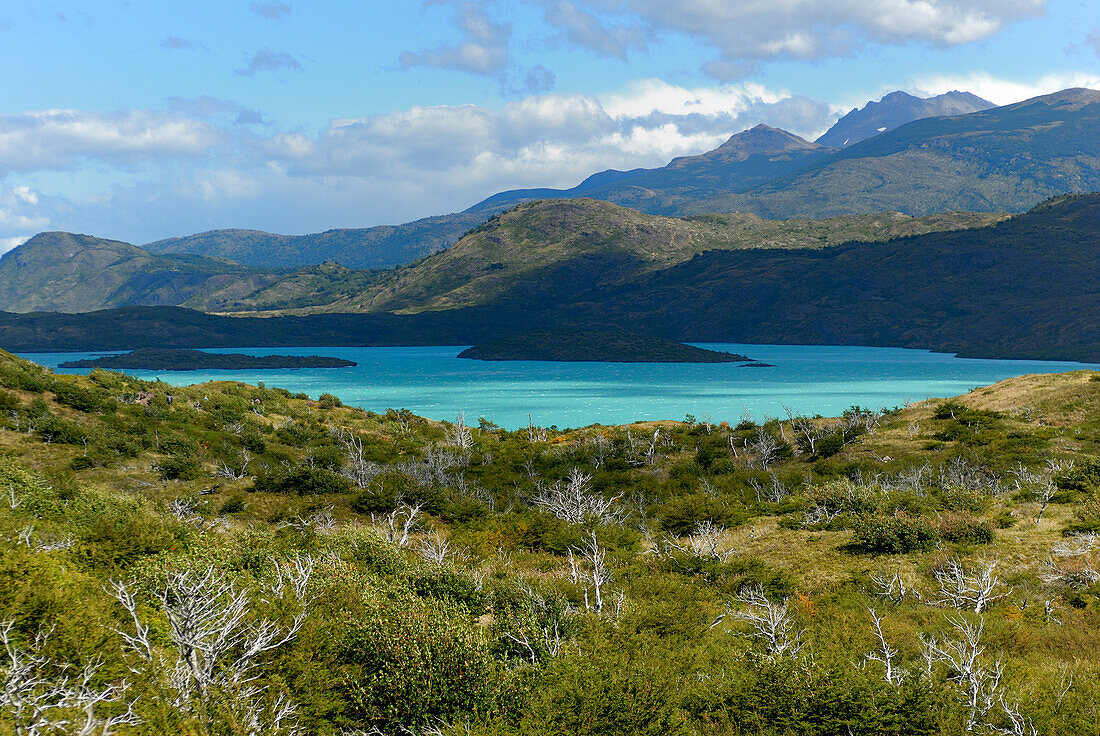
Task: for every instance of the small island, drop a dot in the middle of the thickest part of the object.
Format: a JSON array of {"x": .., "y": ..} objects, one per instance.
[
  {"x": 603, "y": 347},
  {"x": 168, "y": 359}
]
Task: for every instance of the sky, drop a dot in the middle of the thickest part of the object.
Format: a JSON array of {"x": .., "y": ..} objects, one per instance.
[{"x": 143, "y": 120}]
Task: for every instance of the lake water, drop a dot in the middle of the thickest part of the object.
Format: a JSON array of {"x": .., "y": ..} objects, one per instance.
[{"x": 433, "y": 382}]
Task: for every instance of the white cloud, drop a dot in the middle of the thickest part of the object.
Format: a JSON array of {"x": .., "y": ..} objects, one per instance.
[
  {"x": 582, "y": 28},
  {"x": 483, "y": 49},
  {"x": 203, "y": 174},
  {"x": 19, "y": 214},
  {"x": 752, "y": 30},
  {"x": 1001, "y": 91},
  {"x": 57, "y": 139}
]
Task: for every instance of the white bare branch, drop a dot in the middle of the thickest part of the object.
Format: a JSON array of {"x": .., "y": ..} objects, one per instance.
[
  {"x": 573, "y": 501},
  {"x": 705, "y": 541},
  {"x": 973, "y": 589},
  {"x": 886, "y": 654},
  {"x": 595, "y": 575},
  {"x": 396, "y": 526},
  {"x": 979, "y": 683},
  {"x": 770, "y": 622},
  {"x": 39, "y": 696}
]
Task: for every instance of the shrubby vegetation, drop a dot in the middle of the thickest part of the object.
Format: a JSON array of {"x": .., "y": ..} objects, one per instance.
[{"x": 231, "y": 559}]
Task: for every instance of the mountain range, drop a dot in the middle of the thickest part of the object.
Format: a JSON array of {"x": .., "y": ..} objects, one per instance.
[
  {"x": 1026, "y": 287},
  {"x": 996, "y": 159},
  {"x": 897, "y": 109},
  {"x": 79, "y": 273},
  {"x": 676, "y": 264}
]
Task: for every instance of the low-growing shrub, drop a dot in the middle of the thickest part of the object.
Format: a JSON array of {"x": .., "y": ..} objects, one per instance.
[
  {"x": 965, "y": 529},
  {"x": 893, "y": 534},
  {"x": 329, "y": 401},
  {"x": 304, "y": 481},
  {"x": 179, "y": 467}
]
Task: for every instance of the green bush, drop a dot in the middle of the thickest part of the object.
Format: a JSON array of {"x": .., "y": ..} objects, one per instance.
[
  {"x": 304, "y": 480},
  {"x": 443, "y": 583},
  {"x": 8, "y": 401},
  {"x": 329, "y": 401},
  {"x": 965, "y": 529},
  {"x": 811, "y": 699},
  {"x": 895, "y": 534},
  {"x": 960, "y": 498},
  {"x": 179, "y": 467},
  {"x": 405, "y": 665}
]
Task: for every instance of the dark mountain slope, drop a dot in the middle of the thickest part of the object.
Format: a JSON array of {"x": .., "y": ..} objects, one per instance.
[
  {"x": 1027, "y": 287},
  {"x": 526, "y": 243},
  {"x": 373, "y": 247},
  {"x": 746, "y": 160},
  {"x": 68, "y": 272},
  {"x": 897, "y": 109},
  {"x": 1005, "y": 158}
]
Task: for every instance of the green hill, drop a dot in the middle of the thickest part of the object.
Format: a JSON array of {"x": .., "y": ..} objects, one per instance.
[
  {"x": 519, "y": 248},
  {"x": 1026, "y": 287},
  {"x": 65, "y": 272},
  {"x": 79, "y": 273},
  {"x": 75, "y": 273},
  {"x": 363, "y": 248}
]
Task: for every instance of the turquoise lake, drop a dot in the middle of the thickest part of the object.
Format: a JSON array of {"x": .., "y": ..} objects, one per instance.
[{"x": 433, "y": 382}]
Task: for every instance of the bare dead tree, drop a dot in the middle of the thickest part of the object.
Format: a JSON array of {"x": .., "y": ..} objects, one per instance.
[
  {"x": 973, "y": 589},
  {"x": 979, "y": 683},
  {"x": 44, "y": 541},
  {"x": 704, "y": 541},
  {"x": 215, "y": 645},
  {"x": 396, "y": 526},
  {"x": 595, "y": 575},
  {"x": 1074, "y": 572},
  {"x": 1016, "y": 724},
  {"x": 438, "y": 549},
  {"x": 963, "y": 473},
  {"x": 1076, "y": 545},
  {"x": 885, "y": 654},
  {"x": 459, "y": 434},
  {"x": 238, "y": 471},
  {"x": 575, "y": 502},
  {"x": 545, "y": 633},
  {"x": 320, "y": 520},
  {"x": 807, "y": 429},
  {"x": 601, "y": 448},
  {"x": 42, "y": 697},
  {"x": 770, "y": 622},
  {"x": 913, "y": 428},
  {"x": 534, "y": 432},
  {"x": 356, "y": 468},
  {"x": 292, "y": 577},
  {"x": 773, "y": 492},
  {"x": 894, "y": 589},
  {"x": 765, "y": 446}
]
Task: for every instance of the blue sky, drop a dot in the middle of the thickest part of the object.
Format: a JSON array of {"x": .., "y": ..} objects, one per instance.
[{"x": 141, "y": 120}]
